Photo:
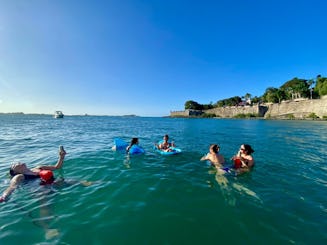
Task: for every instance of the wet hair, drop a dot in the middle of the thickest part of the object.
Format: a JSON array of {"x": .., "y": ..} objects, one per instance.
[
  {"x": 215, "y": 148},
  {"x": 134, "y": 141},
  {"x": 248, "y": 149},
  {"x": 12, "y": 172}
]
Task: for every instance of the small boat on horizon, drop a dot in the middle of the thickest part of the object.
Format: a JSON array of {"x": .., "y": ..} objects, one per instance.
[{"x": 58, "y": 114}]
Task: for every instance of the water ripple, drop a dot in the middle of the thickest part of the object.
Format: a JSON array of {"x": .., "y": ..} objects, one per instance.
[{"x": 147, "y": 199}]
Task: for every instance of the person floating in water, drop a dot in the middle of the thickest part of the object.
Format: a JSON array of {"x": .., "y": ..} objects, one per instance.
[
  {"x": 243, "y": 160},
  {"x": 134, "y": 148},
  {"x": 165, "y": 145},
  {"x": 214, "y": 157},
  {"x": 20, "y": 172},
  {"x": 134, "y": 141}
]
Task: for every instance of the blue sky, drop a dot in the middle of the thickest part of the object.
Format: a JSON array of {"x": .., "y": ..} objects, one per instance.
[{"x": 149, "y": 57}]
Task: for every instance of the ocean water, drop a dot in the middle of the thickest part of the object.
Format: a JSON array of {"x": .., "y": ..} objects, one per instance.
[{"x": 155, "y": 199}]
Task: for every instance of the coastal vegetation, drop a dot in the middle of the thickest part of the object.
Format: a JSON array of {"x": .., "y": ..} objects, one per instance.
[
  {"x": 293, "y": 89},
  {"x": 246, "y": 115},
  {"x": 209, "y": 115},
  {"x": 313, "y": 116},
  {"x": 290, "y": 116}
]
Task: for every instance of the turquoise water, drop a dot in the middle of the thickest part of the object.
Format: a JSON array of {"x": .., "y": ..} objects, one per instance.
[{"x": 155, "y": 199}]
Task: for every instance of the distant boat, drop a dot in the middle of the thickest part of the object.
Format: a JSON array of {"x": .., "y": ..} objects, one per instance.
[{"x": 58, "y": 114}]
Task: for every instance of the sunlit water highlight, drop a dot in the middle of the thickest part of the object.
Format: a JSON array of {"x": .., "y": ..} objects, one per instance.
[{"x": 155, "y": 199}]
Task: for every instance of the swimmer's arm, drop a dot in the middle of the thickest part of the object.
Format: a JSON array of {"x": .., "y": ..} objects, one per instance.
[
  {"x": 238, "y": 155},
  {"x": 206, "y": 157},
  {"x": 14, "y": 182},
  {"x": 59, "y": 163},
  {"x": 243, "y": 162},
  {"x": 246, "y": 163},
  {"x": 250, "y": 163}
]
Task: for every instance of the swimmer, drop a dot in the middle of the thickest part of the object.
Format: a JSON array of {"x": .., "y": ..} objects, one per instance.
[
  {"x": 134, "y": 141},
  {"x": 20, "y": 172},
  {"x": 165, "y": 145},
  {"x": 214, "y": 157},
  {"x": 243, "y": 160}
]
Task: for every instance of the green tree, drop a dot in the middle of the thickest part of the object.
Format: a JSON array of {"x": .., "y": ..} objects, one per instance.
[
  {"x": 207, "y": 106},
  {"x": 311, "y": 82},
  {"x": 247, "y": 96},
  {"x": 321, "y": 86},
  {"x": 271, "y": 95},
  {"x": 256, "y": 100},
  {"x": 296, "y": 85},
  {"x": 233, "y": 101},
  {"x": 280, "y": 94},
  {"x": 193, "y": 105}
]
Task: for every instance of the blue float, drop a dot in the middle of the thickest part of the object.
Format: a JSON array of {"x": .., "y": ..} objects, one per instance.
[
  {"x": 121, "y": 145},
  {"x": 173, "y": 150}
]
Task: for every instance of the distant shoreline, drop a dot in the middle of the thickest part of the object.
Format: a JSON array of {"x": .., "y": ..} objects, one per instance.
[{"x": 77, "y": 115}]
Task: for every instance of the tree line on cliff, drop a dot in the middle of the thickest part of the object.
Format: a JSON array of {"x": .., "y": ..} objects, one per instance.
[{"x": 292, "y": 89}]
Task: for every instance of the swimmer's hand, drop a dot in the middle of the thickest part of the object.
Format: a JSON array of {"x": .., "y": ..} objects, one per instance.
[
  {"x": 3, "y": 198},
  {"x": 62, "y": 152},
  {"x": 86, "y": 183},
  {"x": 51, "y": 233}
]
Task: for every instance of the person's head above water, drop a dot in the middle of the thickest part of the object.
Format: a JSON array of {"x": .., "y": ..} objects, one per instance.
[
  {"x": 18, "y": 168},
  {"x": 247, "y": 149},
  {"x": 214, "y": 148},
  {"x": 134, "y": 141}
]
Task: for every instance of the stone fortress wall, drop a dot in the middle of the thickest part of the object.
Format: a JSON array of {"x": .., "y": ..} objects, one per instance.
[
  {"x": 299, "y": 109},
  {"x": 232, "y": 111}
]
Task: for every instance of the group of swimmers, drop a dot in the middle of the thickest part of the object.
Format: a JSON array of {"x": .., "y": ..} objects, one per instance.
[
  {"x": 163, "y": 145},
  {"x": 243, "y": 162}
]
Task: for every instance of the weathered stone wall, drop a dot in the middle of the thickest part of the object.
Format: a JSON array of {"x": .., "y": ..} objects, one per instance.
[
  {"x": 186, "y": 113},
  {"x": 299, "y": 109},
  {"x": 179, "y": 114},
  {"x": 232, "y": 111}
]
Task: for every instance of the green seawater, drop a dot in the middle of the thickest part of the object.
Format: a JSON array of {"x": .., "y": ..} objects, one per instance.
[{"x": 155, "y": 199}]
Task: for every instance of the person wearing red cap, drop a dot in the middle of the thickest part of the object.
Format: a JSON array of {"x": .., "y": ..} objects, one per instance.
[{"x": 19, "y": 172}]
